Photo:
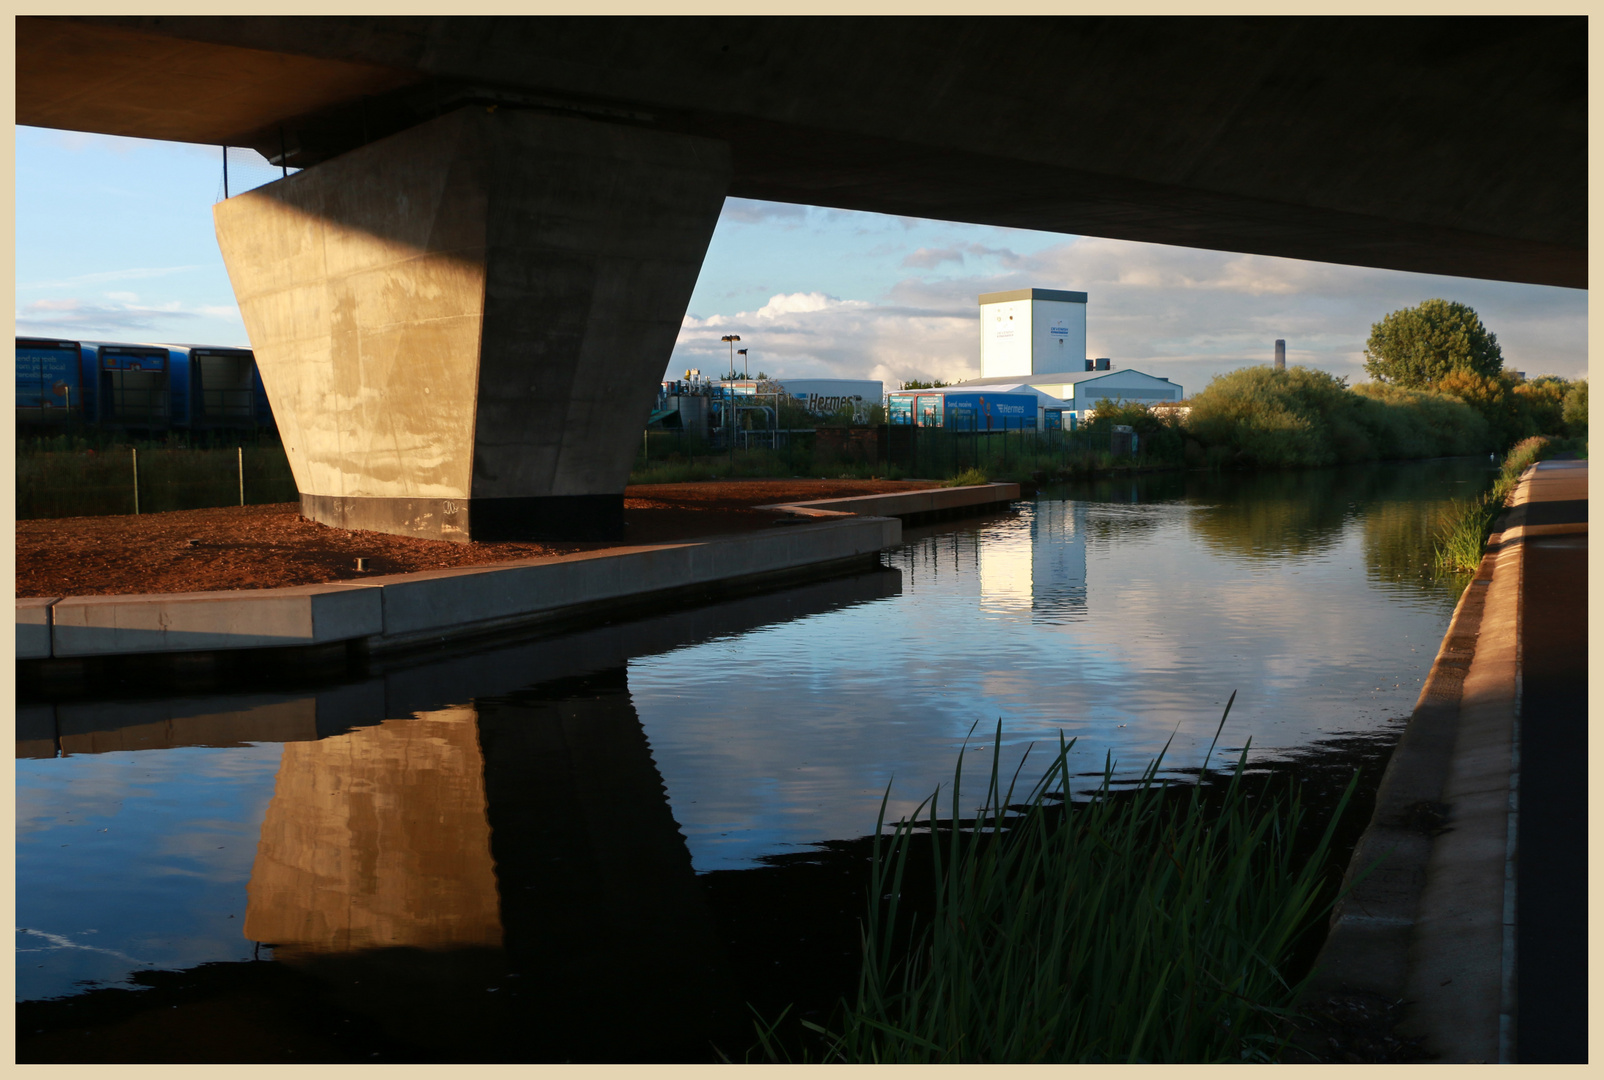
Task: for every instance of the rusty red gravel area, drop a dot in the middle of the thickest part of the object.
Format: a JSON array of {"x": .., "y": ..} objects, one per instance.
[{"x": 265, "y": 547}]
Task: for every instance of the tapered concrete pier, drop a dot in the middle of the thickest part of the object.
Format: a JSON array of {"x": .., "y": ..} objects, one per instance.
[{"x": 461, "y": 326}]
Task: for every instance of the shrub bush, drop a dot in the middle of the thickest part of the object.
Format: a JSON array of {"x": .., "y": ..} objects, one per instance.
[{"x": 1303, "y": 417}]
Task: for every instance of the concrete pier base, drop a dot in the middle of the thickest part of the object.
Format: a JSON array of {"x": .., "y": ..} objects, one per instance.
[{"x": 461, "y": 327}]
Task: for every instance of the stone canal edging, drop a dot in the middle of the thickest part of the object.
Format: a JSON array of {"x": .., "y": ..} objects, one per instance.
[
  {"x": 398, "y": 611},
  {"x": 1422, "y": 946},
  {"x": 912, "y": 507},
  {"x": 407, "y": 609}
]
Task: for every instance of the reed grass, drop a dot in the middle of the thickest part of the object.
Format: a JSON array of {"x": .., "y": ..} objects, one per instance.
[
  {"x": 1464, "y": 530},
  {"x": 1462, "y": 535},
  {"x": 1136, "y": 927}
]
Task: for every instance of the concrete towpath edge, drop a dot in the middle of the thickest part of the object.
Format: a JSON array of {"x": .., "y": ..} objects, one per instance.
[
  {"x": 404, "y": 610},
  {"x": 1422, "y": 941}
]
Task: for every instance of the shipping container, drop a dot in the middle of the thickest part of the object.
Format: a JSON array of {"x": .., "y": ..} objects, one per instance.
[{"x": 962, "y": 410}]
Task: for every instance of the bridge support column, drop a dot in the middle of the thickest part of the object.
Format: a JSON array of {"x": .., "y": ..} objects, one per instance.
[{"x": 461, "y": 327}]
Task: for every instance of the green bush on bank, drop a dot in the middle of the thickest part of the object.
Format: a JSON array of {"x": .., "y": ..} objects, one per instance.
[
  {"x": 1302, "y": 417},
  {"x": 1403, "y": 423},
  {"x": 1573, "y": 410},
  {"x": 967, "y": 478}
]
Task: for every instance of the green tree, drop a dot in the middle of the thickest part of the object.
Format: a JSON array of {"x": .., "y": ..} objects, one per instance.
[
  {"x": 1544, "y": 398},
  {"x": 1575, "y": 410},
  {"x": 1510, "y": 415},
  {"x": 1417, "y": 347}
]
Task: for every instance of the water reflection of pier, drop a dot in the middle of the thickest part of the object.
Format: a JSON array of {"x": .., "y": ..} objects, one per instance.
[
  {"x": 479, "y": 849},
  {"x": 465, "y": 870}
]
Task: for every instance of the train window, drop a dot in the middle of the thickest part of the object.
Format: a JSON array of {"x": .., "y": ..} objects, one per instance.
[{"x": 227, "y": 389}]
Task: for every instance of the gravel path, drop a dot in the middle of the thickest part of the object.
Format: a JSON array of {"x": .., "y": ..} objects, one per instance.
[{"x": 264, "y": 547}]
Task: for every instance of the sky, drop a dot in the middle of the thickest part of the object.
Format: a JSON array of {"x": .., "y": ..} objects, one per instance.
[{"x": 115, "y": 242}]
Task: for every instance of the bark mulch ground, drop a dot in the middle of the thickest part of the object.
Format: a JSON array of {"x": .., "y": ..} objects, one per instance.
[{"x": 266, "y": 547}]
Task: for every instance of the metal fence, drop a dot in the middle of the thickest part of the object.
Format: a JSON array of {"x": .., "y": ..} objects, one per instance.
[
  {"x": 127, "y": 480},
  {"x": 916, "y": 451},
  {"x": 940, "y": 452}
]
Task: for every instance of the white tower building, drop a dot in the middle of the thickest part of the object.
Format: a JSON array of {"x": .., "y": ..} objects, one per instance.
[{"x": 1031, "y": 332}]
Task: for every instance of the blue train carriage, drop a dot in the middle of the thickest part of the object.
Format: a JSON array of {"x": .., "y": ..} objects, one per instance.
[
  {"x": 51, "y": 383},
  {"x": 225, "y": 390},
  {"x": 137, "y": 386}
]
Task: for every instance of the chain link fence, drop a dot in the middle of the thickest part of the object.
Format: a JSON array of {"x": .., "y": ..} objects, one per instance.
[{"x": 93, "y": 483}]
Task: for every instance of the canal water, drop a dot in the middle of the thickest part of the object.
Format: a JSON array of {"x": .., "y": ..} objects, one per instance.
[{"x": 609, "y": 844}]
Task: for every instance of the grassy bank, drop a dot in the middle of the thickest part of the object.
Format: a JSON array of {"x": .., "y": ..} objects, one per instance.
[
  {"x": 1463, "y": 533},
  {"x": 1150, "y": 924}
]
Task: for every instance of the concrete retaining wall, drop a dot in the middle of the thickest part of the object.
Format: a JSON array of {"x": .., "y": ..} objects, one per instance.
[
  {"x": 395, "y": 611},
  {"x": 33, "y": 627},
  {"x": 907, "y": 504}
]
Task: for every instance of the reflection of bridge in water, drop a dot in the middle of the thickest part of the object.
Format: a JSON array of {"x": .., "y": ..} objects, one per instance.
[
  {"x": 480, "y": 848},
  {"x": 465, "y": 869}
]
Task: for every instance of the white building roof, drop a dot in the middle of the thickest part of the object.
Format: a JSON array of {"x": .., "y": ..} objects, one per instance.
[{"x": 1057, "y": 377}]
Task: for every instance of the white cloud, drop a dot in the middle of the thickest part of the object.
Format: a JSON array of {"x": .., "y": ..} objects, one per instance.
[
  {"x": 753, "y": 212},
  {"x": 111, "y": 275},
  {"x": 123, "y": 316},
  {"x": 815, "y": 334},
  {"x": 930, "y": 258},
  {"x": 1183, "y": 313}
]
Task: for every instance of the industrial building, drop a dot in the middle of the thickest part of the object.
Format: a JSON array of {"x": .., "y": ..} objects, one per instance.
[
  {"x": 1026, "y": 331},
  {"x": 699, "y": 405},
  {"x": 822, "y": 397},
  {"x": 1080, "y": 391},
  {"x": 1035, "y": 340}
]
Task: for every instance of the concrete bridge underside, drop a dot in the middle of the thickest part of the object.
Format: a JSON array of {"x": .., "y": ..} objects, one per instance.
[{"x": 462, "y": 305}]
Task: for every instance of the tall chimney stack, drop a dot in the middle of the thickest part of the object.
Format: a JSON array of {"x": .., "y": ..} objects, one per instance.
[{"x": 1280, "y": 354}]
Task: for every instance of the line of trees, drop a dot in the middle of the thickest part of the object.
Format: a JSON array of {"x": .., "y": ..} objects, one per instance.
[{"x": 1439, "y": 388}]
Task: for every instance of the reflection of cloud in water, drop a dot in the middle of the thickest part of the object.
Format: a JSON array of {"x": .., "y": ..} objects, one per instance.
[
  {"x": 60, "y": 941},
  {"x": 806, "y": 723},
  {"x": 152, "y": 848}
]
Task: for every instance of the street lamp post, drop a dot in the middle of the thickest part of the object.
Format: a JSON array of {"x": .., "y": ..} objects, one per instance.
[{"x": 729, "y": 420}]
